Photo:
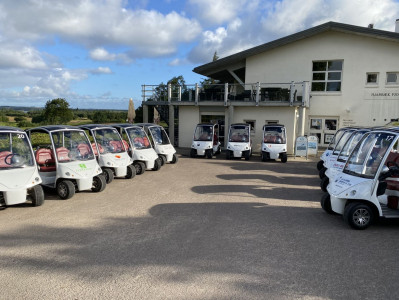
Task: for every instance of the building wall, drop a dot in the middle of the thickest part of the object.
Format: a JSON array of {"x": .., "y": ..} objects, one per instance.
[
  {"x": 284, "y": 115},
  {"x": 189, "y": 117},
  {"x": 355, "y": 104}
]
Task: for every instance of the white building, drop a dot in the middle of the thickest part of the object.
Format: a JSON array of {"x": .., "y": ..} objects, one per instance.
[{"x": 314, "y": 82}]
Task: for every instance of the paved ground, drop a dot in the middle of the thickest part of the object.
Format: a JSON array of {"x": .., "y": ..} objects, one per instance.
[{"x": 201, "y": 229}]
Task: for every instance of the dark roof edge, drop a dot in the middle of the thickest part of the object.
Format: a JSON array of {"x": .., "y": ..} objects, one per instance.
[{"x": 296, "y": 37}]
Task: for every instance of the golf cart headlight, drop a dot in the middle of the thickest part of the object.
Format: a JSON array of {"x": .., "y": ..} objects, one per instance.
[
  {"x": 353, "y": 193},
  {"x": 246, "y": 148},
  {"x": 141, "y": 157},
  {"x": 68, "y": 174},
  {"x": 108, "y": 163},
  {"x": 37, "y": 179},
  {"x": 100, "y": 170}
]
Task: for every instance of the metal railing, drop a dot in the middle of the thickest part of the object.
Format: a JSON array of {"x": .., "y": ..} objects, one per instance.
[{"x": 250, "y": 92}]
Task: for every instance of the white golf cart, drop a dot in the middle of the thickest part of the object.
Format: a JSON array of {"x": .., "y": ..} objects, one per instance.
[
  {"x": 205, "y": 140},
  {"x": 337, "y": 136},
  {"x": 160, "y": 142},
  {"x": 19, "y": 177},
  {"x": 337, "y": 162},
  {"x": 61, "y": 164},
  {"x": 274, "y": 142},
  {"x": 239, "y": 142},
  {"x": 110, "y": 151},
  {"x": 368, "y": 186},
  {"x": 144, "y": 156}
]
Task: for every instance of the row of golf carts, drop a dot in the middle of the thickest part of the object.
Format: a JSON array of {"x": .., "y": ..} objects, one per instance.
[
  {"x": 206, "y": 142},
  {"x": 359, "y": 174},
  {"x": 70, "y": 159}
]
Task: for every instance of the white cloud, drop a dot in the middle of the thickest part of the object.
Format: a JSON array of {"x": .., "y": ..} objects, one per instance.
[{"x": 101, "y": 70}]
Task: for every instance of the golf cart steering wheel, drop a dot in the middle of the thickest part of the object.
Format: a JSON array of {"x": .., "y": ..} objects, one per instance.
[{"x": 10, "y": 158}]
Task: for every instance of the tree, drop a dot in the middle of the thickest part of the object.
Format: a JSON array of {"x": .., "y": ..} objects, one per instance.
[
  {"x": 57, "y": 111},
  {"x": 215, "y": 56}
]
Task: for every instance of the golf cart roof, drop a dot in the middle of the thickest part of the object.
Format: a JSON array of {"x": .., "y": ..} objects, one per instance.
[
  {"x": 125, "y": 125},
  {"x": 240, "y": 124},
  {"x": 147, "y": 125},
  {"x": 95, "y": 126},
  {"x": 206, "y": 124},
  {"x": 51, "y": 128},
  {"x": 273, "y": 125},
  {"x": 9, "y": 128}
]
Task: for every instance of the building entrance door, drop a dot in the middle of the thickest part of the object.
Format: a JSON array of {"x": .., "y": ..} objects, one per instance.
[{"x": 324, "y": 128}]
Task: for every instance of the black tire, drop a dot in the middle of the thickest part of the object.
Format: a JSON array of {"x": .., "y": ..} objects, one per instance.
[
  {"x": 322, "y": 173},
  {"x": 108, "y": 174},
  {"x": 228, "y": 154},
  {"x": 193, "y": 153},
  {"x": 264, "y": 156},
  {"x": 37, "y": 195},
  {"x": 65, "y": 189},
  {"x": 131, "y": 172},
  {"x": 320, "y": 165},
  {"x": 325, "y": 203},
  {"x": 209, "y": 153},
  {"x": 163, "y": 159},
  {"x": 283, "y": 157},
  {"x": 99, "y": 183},
  {"x": 175, "y": 159},
  {"x": 358, "y": 215},
  {"x": 157, "y": 164},
  {"x": 247, "y": 155},
  {"x": 140, "y": 167},
  {"x": 219, "y": 150},
  {"x": 324, "y": 183}
]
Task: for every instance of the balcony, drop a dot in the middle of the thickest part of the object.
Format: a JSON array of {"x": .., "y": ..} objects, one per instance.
[{"x": 264, "y": 94}]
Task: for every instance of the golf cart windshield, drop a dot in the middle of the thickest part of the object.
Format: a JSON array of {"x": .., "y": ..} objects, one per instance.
[
  {"x": 367, "y": 156},
  {"x": 274, "y": 135},
  {"x": 138, "y": 137},
  {"x": 336, "y": 139},
  {"x": 350, "y": 145},
  {"x": 239, "y": 133},
  {"x": 72, "y": 145},
  {"x": 203, "y": 133},
  {"x": 15, "y": 151},
  {"x": 159, "y": 135},
  {"x": 109, "y": 141},
  {"x": 341, "y": 143}
]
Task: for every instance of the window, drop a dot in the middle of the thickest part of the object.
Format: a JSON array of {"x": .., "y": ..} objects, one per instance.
[
  {"x": 327, "y": 76},
  {"x": 252, "y": 123},
  {"x": 372, "y": 78},
  {"x": 392, "y": 78}
]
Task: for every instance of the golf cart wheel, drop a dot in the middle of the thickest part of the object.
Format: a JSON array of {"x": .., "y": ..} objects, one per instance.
[
  {"x": 140, "y": 167},
  {"x": 325, "y": 203},
  {"x": 157, "y": 164},
  {"x": 209, "y": 153},
  {"x": 264, "y": 156},
  {"x": 163, "y": 159},
  {"x": 247, "y": 155},
  {"x": 358, "y": 215},
  {"x": 193, "y": 153},
  {"x": 131, "y": 172},
  {"x": 283, "y": 157},
  {"x": 99, "y": 183},
  {"x": 37, "y": 195},
  {"x": 174, "y": 159},
  {"x": 228, "y": 154},
  {"x": 108, "y": 174},
  {"x": 324, "y": 183},
  {"x": 219, "y": 150},
  {"x": 320, "y": 165},
  {"x": 322, "y": 172},
  {"x": 65, "y": 189}
]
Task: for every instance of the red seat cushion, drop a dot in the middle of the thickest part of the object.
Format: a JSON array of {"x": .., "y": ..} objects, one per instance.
[
  {"x": 3, "y": 156},
  {"x": 83, "y": 149},
  {"x": 62, "y": 154},
  {"x": 117, "y": 145},
  {"x": 45, "y": 160}
]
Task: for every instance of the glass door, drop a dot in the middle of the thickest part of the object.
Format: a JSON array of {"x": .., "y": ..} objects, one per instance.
[{"x": 324, "y": 128}]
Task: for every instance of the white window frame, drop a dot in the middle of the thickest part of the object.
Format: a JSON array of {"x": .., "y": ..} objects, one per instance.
[
  {"x": 326, "y": 72},
  {"x": 252, "y": 127},
  {"x": 372, "y": 83},
  {"x": 397, "y": 78}
]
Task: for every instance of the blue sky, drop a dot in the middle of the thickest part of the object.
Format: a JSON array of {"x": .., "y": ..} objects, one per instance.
[{"x": 98, "y": 53}]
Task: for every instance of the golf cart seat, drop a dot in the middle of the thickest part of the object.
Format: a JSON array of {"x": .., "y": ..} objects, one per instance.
[
  {"x": 45, "y": 160},
  {"x": 117, "y": 145},
  {"x": 146, "y": 142},
  {"x": 3, "y": 156},
  {"x": 93, "y": 146},
  {"x": 270, "y": 139},
  {"x": 83, "y": 149},
  {"x": 62, "y": 154}
]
